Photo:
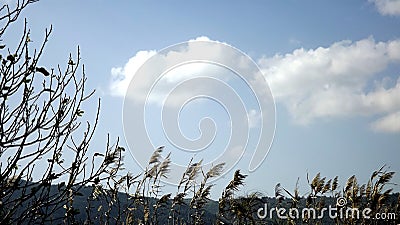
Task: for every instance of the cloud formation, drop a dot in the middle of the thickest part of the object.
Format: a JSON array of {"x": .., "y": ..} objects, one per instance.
[
  {"x": 194, "y": 77},
  {"x": 389, "y": 123},
  {"x": 121, "y": 76},
  {"x": 337, "y": 81},
  {"x": 387, "y": 7},
  {"x": 342, "y": 80}
]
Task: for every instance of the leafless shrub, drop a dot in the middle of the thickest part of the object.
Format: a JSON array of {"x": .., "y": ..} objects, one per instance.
[{"x": 41, "y": 115}]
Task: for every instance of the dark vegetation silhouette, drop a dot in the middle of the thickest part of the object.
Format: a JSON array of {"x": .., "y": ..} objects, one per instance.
[{"x": 43, "y": 135}]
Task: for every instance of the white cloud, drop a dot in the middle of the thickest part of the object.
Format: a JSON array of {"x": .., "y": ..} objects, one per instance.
[
  {"x": 199, "y": 69},
  {"x": 389, "y": 123},
  {"x": 121, "y": 76},
  {"x": 387, "y": 7},
  {"x": 201, "y": 38},
  {"x": 163, "y": 84},
  {"x": 335, "y": 81}
]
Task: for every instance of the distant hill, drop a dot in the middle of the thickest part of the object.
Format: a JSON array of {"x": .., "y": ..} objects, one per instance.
[{"x": 85, "y": 205}]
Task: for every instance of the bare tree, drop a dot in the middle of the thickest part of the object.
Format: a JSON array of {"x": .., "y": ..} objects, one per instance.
[{"x": 44, "y": 145}]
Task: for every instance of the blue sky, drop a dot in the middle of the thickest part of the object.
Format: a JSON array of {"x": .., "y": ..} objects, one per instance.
[{"x": 333, "y": 68}]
